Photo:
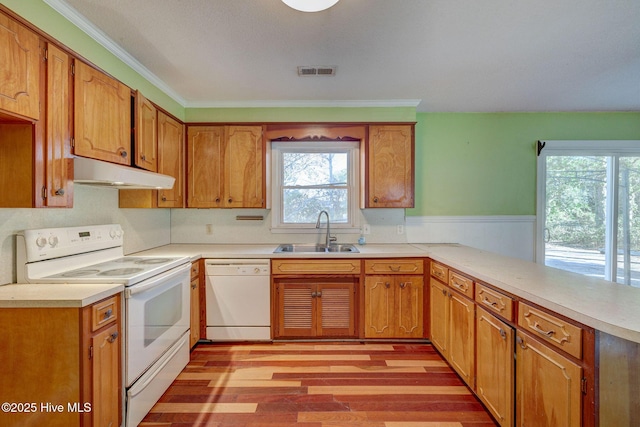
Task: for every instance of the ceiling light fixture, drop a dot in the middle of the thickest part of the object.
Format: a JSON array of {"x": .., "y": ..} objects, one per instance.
[{"x": 310, "y": 5}]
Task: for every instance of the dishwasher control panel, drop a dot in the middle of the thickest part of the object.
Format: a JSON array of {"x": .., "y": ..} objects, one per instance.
[{"x": 237, "y": 267}]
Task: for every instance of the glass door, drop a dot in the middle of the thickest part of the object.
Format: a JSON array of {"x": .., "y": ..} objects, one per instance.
[{"x": 589, "y": 208}]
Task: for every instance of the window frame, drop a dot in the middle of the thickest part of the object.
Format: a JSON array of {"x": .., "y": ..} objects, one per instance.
[
  {"x": 605, "y": 148},
  {"x": 352, "y": 148}
]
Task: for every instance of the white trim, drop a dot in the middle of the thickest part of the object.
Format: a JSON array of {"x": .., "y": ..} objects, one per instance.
[
  {"x": 586, "y": 147},
  {"x": 417, "y": 220},
  {"x": 413, "y": 103},
  {"x": 80, "y": 21},
  {"x": 510, "y": 235}
]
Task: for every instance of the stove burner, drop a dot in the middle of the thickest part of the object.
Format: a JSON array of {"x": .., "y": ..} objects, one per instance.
[
  {"x": 120, "y": 272},
  {"x": 80, "y": 273},
  {"x": 153, "y": 261}
]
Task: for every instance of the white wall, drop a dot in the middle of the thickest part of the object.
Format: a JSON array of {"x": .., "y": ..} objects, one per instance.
[
  {"x": 144, "y": 228},
  {"x": 506, "y": 235}
]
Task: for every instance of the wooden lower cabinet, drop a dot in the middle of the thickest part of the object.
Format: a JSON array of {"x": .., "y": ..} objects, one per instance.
[
  {"x": 315, "y": 307},
  {"x": 495, "y": 374},
  {"x": 462, "y": 336},
  {"x": 439, "y": 321},
  {"x": 66, "y": 359},
  {"x": 394, "y": 306},
  {"x": 195, "y": 304},
  {"x": 548, "y": 386}
]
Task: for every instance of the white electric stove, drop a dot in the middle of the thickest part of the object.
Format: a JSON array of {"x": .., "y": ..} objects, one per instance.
[{"x": 156, "y": 300}]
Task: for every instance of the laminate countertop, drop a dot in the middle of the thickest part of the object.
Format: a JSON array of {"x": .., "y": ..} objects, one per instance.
[
  {"x": 33, "y": 295},
  {"x": 605, "y": 306}
]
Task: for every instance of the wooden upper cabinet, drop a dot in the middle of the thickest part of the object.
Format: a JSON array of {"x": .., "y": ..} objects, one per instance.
[
  {"x": 225, "y": 167},
  {"x": 36, "y": 169},
  {"x": 102, "y": 112},
  {"x": 171, "y": 160},
  {"x": 244, "y": 167},
  {"x": 204, "y": 166},
  {"x": 146, "y": 133},
  {"x": 58, "y": 189},
  {"x": 389, "y": 180},
  {"x": 19, "y": 69}
]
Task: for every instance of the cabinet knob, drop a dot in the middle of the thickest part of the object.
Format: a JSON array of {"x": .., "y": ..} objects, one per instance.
[
  {"x": 59, "y": 192},
  {"x": 193, "y": 286},
  {"x": 143, "y": 157},
  {"x": 217, "y": 199},
  {"x": 387, "y": 285},
  {"x": 123, "y": 153},
  {"x": 375, "y": 200},
  {"x": 229, "y": 200},
  {"x": 503, "y": 334},
  {"x": 112, "y": 337},
  {"x": 403, "y": 285},
  {"x": 108, "y": 313},
  {"x": 164, "y": 198},
  {"x": 521, "y": 343}
]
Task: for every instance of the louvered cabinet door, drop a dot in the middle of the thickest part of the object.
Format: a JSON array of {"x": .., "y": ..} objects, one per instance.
[
  {"x": 335, "y": 308},
  {"x": 296, "y": 309}
]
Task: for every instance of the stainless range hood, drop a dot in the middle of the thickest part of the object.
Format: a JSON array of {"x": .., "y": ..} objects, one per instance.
[{"x": 105, "y": 174}]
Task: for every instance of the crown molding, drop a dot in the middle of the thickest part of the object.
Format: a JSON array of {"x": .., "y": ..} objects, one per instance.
[
  {"x": 412, "y": 103},
  {"x": 105, "y": 41}
]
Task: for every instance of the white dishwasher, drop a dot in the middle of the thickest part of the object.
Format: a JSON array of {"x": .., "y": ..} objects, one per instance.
[{"x": 238, "y": 299}]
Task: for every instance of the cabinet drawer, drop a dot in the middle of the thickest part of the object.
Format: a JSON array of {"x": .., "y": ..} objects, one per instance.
[
  {"x": 195, "y": 269},
  {"x": 440, "y": 272},
  {"x": 551, "y": 329},
  {"x": 394, "y": 266},
  {"x": 104, "y": 312},
  {"x": 462, "y": 284},
  {"x": 494, "y": 301},
  {"x": 311, "y": 266}
]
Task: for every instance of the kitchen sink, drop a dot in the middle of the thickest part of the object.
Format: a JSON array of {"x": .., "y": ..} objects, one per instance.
[{"x": 318, "y": 248}]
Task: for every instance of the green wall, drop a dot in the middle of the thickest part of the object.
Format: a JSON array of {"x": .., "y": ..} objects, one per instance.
[{"x": 485, "y": 164}]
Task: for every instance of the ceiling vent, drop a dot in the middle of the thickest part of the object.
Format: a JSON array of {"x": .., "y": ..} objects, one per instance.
[{"x": 304, "y": 71}]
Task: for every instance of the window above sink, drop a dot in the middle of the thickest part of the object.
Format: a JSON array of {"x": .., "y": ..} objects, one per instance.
[{"x": 311, "y": 176}]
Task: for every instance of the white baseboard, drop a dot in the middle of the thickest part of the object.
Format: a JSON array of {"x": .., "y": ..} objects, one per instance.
[{"x": 511, "y": 235}]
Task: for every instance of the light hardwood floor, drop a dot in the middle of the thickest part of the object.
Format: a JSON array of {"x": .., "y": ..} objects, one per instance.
[{"x": 318, "y": 385}]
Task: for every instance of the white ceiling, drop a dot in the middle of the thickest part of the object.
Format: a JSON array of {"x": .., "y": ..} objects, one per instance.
[{"x": 443, "y": 55}]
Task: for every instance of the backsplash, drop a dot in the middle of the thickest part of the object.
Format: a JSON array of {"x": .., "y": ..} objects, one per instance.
[
  {"x": 190, "y": 226},
  {"x": 144, "y": 228}
]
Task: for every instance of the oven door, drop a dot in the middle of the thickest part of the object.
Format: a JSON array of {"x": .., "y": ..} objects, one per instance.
[{"x": 157, "y": 315}]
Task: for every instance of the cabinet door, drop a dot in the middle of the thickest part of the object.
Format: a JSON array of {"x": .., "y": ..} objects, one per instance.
[
  {"x": 19, "y": 69},
  {"x": 296, "y": 309},
  {"x": 547, "y": 386},
  {"x": 335, "y": 309},
  {"x": 106, "y": 377},
  {"x": 171, "y": 160},
  {"x": 58, "y": 163},
  {"x": 204, "y": 166},
  {"x": 195, "y": 312},
  {"x": 243, "y": 164},
  {"x": 146, "y": 134},
  {"x": 390, "y": 181},
  {"x": 462, "y": 336},
  {"x": 409, "y": 307},
  {"x": 495, "y": 366},
  {"x": 378, "y": 306},
  {"x": 439, "y": 319},
  {"x": 102, "y": 112}
]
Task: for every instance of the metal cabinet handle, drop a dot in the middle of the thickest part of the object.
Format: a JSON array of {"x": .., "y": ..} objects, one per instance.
[
  {"x": 521, "y": 343},
  {"x": 112, "y": 337},
  {"x": 108, "y": 313},
  {"x": 444, "y": 292},
  {"x": 541, "y": 331},
  {"x": 486, "y": 301},
  {"x": 403, "y": 285},
  {"x": 458, "y": 285},
  {"x": 123, "y": 153},
  {"x": 503, "y": 334},
  {"x": 59, "y": 192}
]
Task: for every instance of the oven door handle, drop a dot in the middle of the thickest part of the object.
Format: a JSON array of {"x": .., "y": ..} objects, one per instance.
[{"x": 156, "y": 281}]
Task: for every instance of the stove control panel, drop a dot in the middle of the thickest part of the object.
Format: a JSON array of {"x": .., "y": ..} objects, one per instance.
[{"x": 47, "y": 243}]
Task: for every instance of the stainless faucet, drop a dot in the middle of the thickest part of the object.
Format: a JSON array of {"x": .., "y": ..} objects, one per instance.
[{"x": 328, "y": 239}]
